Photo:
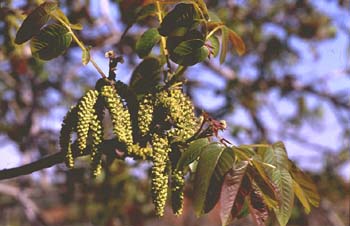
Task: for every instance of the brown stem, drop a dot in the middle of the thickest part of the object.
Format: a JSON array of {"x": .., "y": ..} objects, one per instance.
[{"x": 112, "y": 148}]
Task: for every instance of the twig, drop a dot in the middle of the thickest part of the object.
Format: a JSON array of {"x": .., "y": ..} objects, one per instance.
[{"x": 112, "y": 148}]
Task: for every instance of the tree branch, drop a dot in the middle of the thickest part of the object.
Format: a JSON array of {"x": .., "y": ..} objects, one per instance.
[{"x": 112, "y": 148}]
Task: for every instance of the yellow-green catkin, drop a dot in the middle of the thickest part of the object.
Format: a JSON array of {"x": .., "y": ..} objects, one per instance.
[
  {"x": 120, "y": 116},
  {"x": 177, "y": 195},
  {"x": 85, "y": 113},
  {"x": 159, "y": 181},
  {"x": 140, "y": 152},
  {"x": 65, "y": 140},
  {"x": 181, "y": 112},
  {"x": 96, "y": 128},
  {"x": 145, "y": 113}
]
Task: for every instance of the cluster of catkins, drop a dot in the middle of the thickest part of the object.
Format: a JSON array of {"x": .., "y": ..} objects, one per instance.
[{"x": 164, "y": 117}]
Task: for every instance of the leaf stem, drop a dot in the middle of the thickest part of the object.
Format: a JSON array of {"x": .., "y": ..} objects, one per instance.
[
  {"x": 214, "y": 30},
  {"x": 163, "y": 48},
  {"x": 80, "y": 44}
]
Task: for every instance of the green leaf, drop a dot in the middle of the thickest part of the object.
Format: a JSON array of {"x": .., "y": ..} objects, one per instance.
[
  {"x": 85, "y": 59},
  {"x": 192, "y": 153},
  {"x": 284, "y": 182},
  {"x": 306, "y": 184},
  {"x": 206, "y": 166},
  {"x": 188, "y": 46},
  {"x": 51, "y": 42},
  {"x": 215, "y": 45},
  {"x": 257, "y": 208},
  {"x": 183, "y": 15},
  {"x": 195, "y": 57},
  {"x": 264, "y": 184},
  {"x": 34, "y": 22},
  {"x": 237, "y": 42},
  {"x": 146, "y": 42},
  {"x": 224, "y": 44},
  {"x": 301, "y": 196},
  {"x": 146, "y": 11},
  {"x": 146, "y": 76},
  {"x": 223, "y": 165},
  {"x": 276, "y": 155},
  {"x": 229, "y": 190}
]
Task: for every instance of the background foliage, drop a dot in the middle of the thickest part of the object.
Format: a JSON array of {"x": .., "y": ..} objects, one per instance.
[{"x": 265, "y": 95}]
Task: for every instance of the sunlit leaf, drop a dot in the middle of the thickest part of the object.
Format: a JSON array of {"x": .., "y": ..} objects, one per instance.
[
  {"x": 214, "y": 45},
  {"x": 284, "y": 182},
  {"x": 51, "y": 42},
  {"x": 257, "y": 208},
  {"x": 306, "y": 184},
  {"x": 58, "y": 14},
  {"x": 301, "y": 196},
  {"x": 85, "y": 56},
  {"x": 146, "y": 76},
  {"x": 146, "y": 42},
  {"x": 229, "y": 190},
  {"x": 206, "y": 166},
  {"x": 276, "y": 155},
  {"x": 237, "y": 42},
  {"x": 224, "y": 44},
  {"x": 76, "y": 26},
  {"x": 192, "y": 153},
  {"x": 34, "y": 22}
]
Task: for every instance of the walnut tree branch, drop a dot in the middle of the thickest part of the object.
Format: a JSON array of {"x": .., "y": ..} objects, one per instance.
[{"x": 112, "y": 148}]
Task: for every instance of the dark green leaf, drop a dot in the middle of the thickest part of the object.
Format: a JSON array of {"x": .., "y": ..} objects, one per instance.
[
  {"x": 206, "y": 166},
  {"x": 224, "y": 164},
  {"x": 257, "y": 208},
  {"x": 183, "y": 15},
  {"x": 224, "y": 44},
  {"x": 269, "y": 192},
  {"x": 244, "y": 190},
  {"x": 34, "y": 22},
  {"x": 146, "y": 76},
  {"x": 229, "y": 190},
  {"x": 192, "y": 153},
  {"x": 146, "y": 11},
  {"x": 195, "y": 57},
  {"x": 188, "y": 46},
  {"x": 51, "y": 42},
  {"x": 146, "y": 42}
]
